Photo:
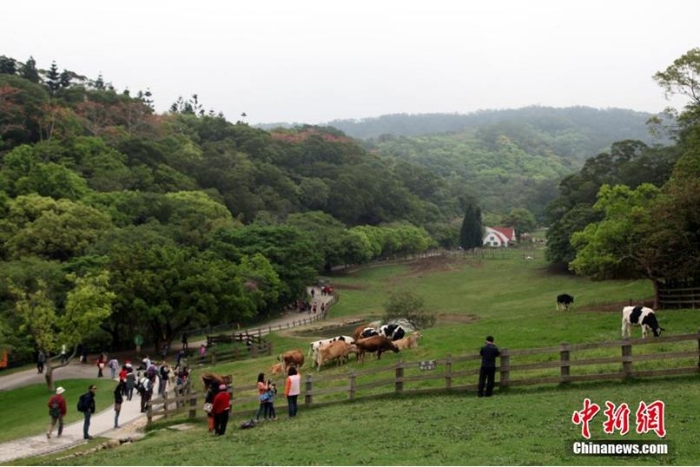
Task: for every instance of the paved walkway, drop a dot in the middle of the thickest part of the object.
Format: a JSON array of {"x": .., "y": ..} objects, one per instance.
[{"x": 102, "y": 424}]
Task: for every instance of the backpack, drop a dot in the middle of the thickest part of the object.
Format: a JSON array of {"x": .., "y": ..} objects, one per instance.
[
  {"x": 248, "y": 424},
  {"x": 82, "y": 403},
  {"x": 55, "y": 410}
]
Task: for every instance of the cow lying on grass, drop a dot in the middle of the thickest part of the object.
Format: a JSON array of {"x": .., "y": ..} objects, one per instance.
[{"x": 408, "y": 342}]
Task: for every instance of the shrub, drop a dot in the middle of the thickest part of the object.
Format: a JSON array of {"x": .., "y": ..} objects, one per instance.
[{"x": 410, "y": 306}]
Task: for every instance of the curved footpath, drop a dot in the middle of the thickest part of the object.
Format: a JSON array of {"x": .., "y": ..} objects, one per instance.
[{"x": 102, "y": 423}]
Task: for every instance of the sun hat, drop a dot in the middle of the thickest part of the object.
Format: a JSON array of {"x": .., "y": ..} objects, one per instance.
[
  {"x": 222, "y": 387},
  {"x": 60, "y": 390}
]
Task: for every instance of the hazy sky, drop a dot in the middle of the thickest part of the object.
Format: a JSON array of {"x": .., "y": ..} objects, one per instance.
[{"x": 312, "y": 61}]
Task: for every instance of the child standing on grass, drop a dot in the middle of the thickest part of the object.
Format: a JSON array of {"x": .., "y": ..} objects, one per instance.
[{"x": 272, "y": 392}]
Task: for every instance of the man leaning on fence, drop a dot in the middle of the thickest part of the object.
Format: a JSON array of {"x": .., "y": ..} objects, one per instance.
[{"x": 487, "y": 373}]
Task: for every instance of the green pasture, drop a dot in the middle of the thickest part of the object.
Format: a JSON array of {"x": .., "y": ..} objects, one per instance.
[
  {"x": 507, "y": 296},
  {"x": 530, "y": 427}
]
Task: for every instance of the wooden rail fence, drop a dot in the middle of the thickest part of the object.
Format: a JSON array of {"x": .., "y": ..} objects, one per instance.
[{"x": 563, "y": 364}]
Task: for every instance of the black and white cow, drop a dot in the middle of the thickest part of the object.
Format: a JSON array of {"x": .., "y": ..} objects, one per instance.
[
  {"x": 642, "y": 316},
  {"x": 564, "y": 301},
  {"x": 368, "y": 332},
  {"x": 392, "y": 331}
]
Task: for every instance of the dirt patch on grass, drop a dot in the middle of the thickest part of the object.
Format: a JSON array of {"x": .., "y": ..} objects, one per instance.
[{"x": 434, "y": 264}]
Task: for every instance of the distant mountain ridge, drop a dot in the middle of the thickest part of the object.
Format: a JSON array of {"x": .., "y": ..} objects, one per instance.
[{"x": 610, "y": 124}]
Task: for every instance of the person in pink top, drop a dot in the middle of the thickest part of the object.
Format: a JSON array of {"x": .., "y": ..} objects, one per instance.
[{"x": 292, "y": 388}]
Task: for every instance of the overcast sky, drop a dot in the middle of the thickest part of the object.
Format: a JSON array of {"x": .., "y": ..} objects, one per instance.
[{"x": 313, "y": 61}]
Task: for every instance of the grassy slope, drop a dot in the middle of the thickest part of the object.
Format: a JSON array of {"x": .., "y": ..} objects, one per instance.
[{"x": 510, "y": 298}]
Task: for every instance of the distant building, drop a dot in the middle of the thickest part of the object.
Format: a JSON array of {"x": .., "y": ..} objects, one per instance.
[{"x": 499, "y": 236}]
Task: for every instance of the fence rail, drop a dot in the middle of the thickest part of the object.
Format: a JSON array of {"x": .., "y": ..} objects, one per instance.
[
  {"x": 561, "y": 364},
  {"x": 688, "y": 297}
]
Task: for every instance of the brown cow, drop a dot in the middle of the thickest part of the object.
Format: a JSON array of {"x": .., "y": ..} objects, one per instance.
[
  {"x": 373, "y": 344},
  {"x": 409, "y": 341},
  {"x": 291, "y": 357},
  {"x": 276, "y": 368},
  {"x": 335, "y": 350}
]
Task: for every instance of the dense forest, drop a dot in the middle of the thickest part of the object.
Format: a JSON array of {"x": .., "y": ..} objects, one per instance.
[
  {"x": 117, "y": 221},
  {"x": 507, "y": 159}
]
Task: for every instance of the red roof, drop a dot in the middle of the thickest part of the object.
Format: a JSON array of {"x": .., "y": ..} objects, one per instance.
[{"x": 509, "y": 232}]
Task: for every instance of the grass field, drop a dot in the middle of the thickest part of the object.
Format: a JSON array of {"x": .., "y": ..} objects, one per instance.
[{"x": 509, "y": 297}]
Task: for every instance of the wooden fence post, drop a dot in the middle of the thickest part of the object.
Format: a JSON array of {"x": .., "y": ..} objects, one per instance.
[
  {"x": 213, "y": 358},
  {"x": 351, "y": 390},
  {"x": 699, "y": 349},
  {"x": 149, "y": 412},
  {"x": 505, "y": 369},
  {"x": 193, "y": 405},
  {"x": 165, "y": 404},
  {"x": 627, "y": 359},
  {"x": 398, "y": 385},
  {"x": 308, "y": 397},
  {"x": 448, "y": 371},
  {"x": 564, "y": 362}
]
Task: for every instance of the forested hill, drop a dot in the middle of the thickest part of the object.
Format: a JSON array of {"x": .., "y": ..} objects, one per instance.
[{"x": 593, "y": 129}]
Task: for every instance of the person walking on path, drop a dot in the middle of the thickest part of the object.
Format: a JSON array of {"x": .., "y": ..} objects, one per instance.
[
  {"x": 113, "y": 367},
  {"x": 487, "y": 373},
  {"x": 184, "y": 341},
  {"x": 118, "y": 400},
  {"x": 101, "y": 365},
  {"x": 40, "y": 361},
  {"x": 57, "y": 410},
  {"x": 64, "y": 355},
  {"x": 220, "y": 408},
  {"x": 86, "y": 405},
  {"x": 130, "y": 382},
  {"x": 292, "y": 388},
  {"x": 145, "y": 387}
]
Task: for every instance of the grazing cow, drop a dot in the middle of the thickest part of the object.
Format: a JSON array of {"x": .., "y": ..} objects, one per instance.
[
  {"x": 409, "y": 341},
  {"x": 291, "y": 357},
  {"x": 313, "y": 346},
  {"x": 373, "y": 344},
  {"x": 642, "y": 316},
  {"x": 392, "y": 331},
  {"x": 335, "y": 350},
  {"x": 564, "y": 301}
]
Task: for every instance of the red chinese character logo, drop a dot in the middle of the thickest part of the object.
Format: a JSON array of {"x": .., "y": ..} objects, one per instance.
[
  {"x": 584, "y": 416},
  {"x": 617, "y": 419},
  {"x": 651, "y": 418}
]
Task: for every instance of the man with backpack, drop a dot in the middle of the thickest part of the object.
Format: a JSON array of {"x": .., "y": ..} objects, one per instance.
[
  {"x": 57, "y": 410},
  {"x": 86, "y": 405},
  {"x": 145, "y": 389}
]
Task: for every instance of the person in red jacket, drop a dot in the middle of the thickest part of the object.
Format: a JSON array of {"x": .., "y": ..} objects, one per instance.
[
  {"x": 57, "y": 410},
  {"x": 220, "y": 409}
]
